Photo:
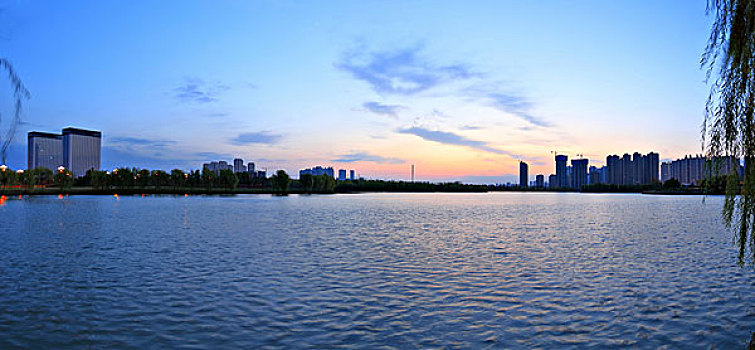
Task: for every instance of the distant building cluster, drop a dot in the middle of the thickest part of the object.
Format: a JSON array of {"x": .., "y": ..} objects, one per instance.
[
  {"x": 690, "y": 170},
  {"x": 343, "y": 174},
  {"x": 318, "y": 170},
  {"x": 77, "y": 150},
  {"x": 236, "y": 167},
  {"x": 631, "y": 170},
  {"x": 636, "y": 169}
]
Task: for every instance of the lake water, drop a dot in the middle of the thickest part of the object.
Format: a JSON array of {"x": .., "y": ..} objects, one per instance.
[{"x": 497, "y": 270}]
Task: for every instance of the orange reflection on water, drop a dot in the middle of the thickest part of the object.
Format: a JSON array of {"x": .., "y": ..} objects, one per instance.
[
  {"x": 60, "y": 196},
  {"x": 116, "y": 196},
  {"x": 2, "y": 200}
]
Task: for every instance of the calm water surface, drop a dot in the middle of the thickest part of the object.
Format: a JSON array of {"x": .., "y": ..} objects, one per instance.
[{"x": 499, "y": 270}]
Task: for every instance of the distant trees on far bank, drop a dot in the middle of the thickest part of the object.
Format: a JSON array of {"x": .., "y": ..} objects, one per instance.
[{"x": 134, "y": 180}]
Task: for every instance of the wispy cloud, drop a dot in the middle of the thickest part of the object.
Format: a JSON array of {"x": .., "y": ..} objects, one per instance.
[
  {"x": 261, "y": 137},
  {"x": 450, "y": 138},
  {"x": 383, "y": 109},
  {"x": 470, "y": 127},
  {"x": 197, "y": 91},
  {"x": 367, "y": 157},
  {"x": 516, "y": 105},
  {"x": 210, "y": 156},
  {"x": 136, "y": 141},
  {"x": 401, "y": 71}
]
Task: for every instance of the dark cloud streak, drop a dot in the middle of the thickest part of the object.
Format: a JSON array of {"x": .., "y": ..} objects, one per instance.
[
  {"x": 367, "y": 157},
  {"x": 517, "y": 106},
  {"x": 261, "y": 137},
  {"x": 401, "y": 71},
  {"x": 450, "y": 138},
  {"x": 197, "y": 91},
  {"x": 382, "y": 109}
]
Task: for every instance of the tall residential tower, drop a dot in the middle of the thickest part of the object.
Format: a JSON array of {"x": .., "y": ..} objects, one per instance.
[{"x": 523, "y": 174}]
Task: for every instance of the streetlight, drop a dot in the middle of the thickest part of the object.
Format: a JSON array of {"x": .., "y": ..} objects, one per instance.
[{"x": 3, "y": 167}]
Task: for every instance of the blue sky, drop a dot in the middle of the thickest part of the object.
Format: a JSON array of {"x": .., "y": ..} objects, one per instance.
[{"x": 461, "y": 89}]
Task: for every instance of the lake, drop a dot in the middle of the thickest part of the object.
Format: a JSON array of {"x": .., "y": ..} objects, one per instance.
[{"x": 495, "y": 270}]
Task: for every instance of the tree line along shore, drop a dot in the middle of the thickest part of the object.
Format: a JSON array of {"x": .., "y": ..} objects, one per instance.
[{"x": 133, "y": 181}]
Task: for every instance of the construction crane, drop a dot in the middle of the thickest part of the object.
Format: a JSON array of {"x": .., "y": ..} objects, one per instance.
[{"x": 555, "y": 153}]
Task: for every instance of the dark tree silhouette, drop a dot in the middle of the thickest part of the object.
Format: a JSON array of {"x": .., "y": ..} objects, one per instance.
[
  {"x": 280, "y": 181},
  {"x": 19, "y": 94},
  {"x": 729, "y": 127}
]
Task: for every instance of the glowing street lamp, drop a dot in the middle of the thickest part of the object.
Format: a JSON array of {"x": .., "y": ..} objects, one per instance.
[
  {"x": 19, "y": 171},
  {"x": 3, "y": 167},
  {"x": 61, "y": 169}
]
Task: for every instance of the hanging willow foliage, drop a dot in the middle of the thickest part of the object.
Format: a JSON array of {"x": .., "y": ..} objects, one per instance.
[
  {"x": 19, "y": 94},
  {"x": 729, "y": 128}
]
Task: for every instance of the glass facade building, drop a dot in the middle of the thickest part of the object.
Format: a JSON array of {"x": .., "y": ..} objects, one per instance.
[
  {"x": 45, "y": 150},
  {"x": 76, "y": 149},
  {"x": 81, "y": 150}
]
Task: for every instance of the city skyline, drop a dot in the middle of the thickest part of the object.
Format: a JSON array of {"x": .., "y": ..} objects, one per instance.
[
  {"x": 50, "y": 150},
  {"x": 379, "y": 90}
]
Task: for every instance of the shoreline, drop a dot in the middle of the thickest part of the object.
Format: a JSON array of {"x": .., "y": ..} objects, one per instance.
[{"x": 54, "y": 191}]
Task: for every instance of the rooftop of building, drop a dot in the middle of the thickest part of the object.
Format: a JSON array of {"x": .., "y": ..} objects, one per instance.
[
  {"x": 85, "y": 132},
  {"x": 44, "y": 134}
]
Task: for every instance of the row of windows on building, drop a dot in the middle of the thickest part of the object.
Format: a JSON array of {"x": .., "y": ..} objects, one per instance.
[{"x": 77, "y": 150}]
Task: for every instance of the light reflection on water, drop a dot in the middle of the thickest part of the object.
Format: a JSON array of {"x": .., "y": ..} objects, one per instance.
[{"x": 500, "y": 270}]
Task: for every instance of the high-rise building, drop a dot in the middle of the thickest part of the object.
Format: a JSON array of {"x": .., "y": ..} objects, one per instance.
[
  {"x": 627, "y": 171},
  {"x": 45, "y": 150},
  {"x": 665, "y": 171},
  {"x": 552, "y": 181},
  {"x": 76, "y": 149},
  {"x": 651, "y": 167},
  {"x": 238, "y": 165},
  {"x": 690, "y": 170},
  {"x": 250, "y": 168},
  {"x": 342, "y": 174},
  {"x": 217, "y": 166},
  {"x": 561, "y": 176},
  {"x": 597, "y": 175},
  {"x": 539, "y": 181},
  {"x": 81, "y": 150},
  {"x": 613, "y": 170},
  {"x": 636, "y": 169},
  {"x": 523, "y": 174},
  {"x": 579, "y": 173},
  {"x": 351, "y": 175},
  {"x": 318, "y": 170}
]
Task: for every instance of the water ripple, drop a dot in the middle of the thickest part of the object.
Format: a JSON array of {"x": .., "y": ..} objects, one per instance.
[{"x": 388, "y": 271}]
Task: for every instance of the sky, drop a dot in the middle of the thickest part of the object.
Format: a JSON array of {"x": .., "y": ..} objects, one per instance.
[{"x": 463, "y": 90}]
